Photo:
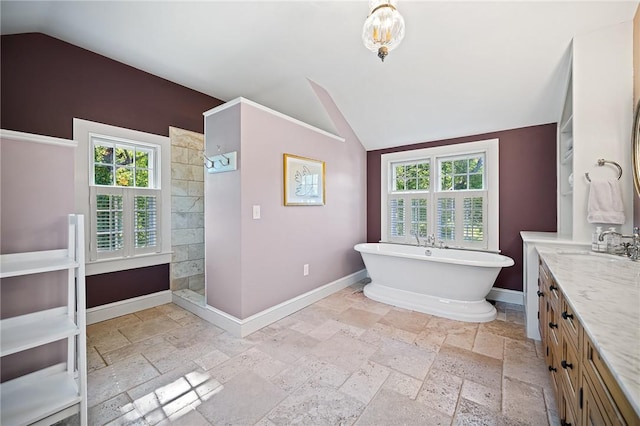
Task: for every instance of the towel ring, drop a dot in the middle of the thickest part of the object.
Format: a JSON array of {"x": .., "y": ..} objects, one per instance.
[{"x": 602, "y": 162}]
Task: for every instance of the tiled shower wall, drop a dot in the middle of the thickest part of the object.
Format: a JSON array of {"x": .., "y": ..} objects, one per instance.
[{"x": 187, "y": 210}]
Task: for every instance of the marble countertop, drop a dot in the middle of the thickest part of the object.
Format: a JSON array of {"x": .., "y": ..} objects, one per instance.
[{"x": 604, "y": 292}]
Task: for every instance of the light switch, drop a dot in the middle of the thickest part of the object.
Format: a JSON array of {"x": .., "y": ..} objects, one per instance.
[{"x": 256, "y": 212}]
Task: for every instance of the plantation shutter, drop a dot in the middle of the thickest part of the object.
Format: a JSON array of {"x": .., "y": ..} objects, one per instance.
[
  {"x": 146, "y": 220},
  {"x": 407, "y": 214},
  {"x": 397, "y": 216},
  {"x": 108, "y": 229},
  {"x": 446, "y": 218},
  {"x": 473, "y": 222},
  {"x": 461, "y": 218}
]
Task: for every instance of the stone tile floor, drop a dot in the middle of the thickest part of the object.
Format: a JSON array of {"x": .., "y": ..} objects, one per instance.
[{"x": 343, "y": 360}]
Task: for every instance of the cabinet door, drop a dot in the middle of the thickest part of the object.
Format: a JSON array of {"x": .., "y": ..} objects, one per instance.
[
  {"x": 552, "y": 366},
  {"x": 569, "y": 370},
  {"x": 553, "y": 350},
  {"x": 567, "y": 409},
  {"x": 542, "y": 303},
  {"x": 542, "y": 315},
  {"x": 593, "y": 413},
  {"x": 613, "y": 405}
]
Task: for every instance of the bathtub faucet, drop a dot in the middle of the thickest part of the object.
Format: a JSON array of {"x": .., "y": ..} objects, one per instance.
[
  {"x": 431, "y": 240},
  {"x": 415, "y": 234}
]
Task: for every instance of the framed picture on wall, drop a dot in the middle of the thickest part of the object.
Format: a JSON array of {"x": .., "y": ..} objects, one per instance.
[{"x": 303, "y": 181}]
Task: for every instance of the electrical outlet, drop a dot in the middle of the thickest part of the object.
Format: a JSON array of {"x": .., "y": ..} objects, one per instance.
[
  {"x": 256, "y": 212},
  {"x": 305, "y": 269}
]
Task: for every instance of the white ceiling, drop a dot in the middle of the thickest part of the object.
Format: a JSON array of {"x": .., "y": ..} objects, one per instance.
[{"x": 463, "y": 68}]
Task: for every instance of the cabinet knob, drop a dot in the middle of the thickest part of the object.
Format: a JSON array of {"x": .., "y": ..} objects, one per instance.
[
  {"x": 566, "y": 315},
  {"x": 552, "y": 368},
  {"x": 552, "y": 325},
  {"x": 540, "y": 294},
  {"x": 553, "y": 287},
  {"x": 566, "y": 365}
]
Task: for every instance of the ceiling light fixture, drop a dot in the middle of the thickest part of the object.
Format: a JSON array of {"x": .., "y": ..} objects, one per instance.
[{"x": 384, "y": 28}]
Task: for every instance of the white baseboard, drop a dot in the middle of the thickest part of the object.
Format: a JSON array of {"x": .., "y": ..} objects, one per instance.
[
  {"x": 128, "y": 306},
  {"x": 244, "y": 327},
  {"x": 507, "y": 296}
]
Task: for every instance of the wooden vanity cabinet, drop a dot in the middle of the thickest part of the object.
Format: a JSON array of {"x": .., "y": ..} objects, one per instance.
[{"x": 586, "y": 391}]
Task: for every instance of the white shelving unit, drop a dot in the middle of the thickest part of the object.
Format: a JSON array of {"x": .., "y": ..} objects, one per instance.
[
  {"x": 595, "y": 121},
  {"x": 53, "y": 393},
  {"x": 565, "y": 155}
]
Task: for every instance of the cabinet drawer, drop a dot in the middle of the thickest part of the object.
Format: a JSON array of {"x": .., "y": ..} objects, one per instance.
[
  {"x": 569, "y": 323},
  {"x": 543, "y": 272},
  {"x": 553, "y": 293},
  {"x": 553, "y": 326},
  {"x": 613, "y": 401}
]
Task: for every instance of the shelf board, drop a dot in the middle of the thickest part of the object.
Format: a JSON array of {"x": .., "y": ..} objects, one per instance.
[
  {"x": 568, "y": 142},
  {"x": 12, "y": 265},
  {"x": 31, "y": 330},
  {"x": 36, "y": 396},
  {"x": 567, "y": 158},
  {"x": 567, "y": 126}
]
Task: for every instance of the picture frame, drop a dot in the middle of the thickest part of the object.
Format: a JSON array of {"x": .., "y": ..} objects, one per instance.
[{"x": 304, "y": 181}]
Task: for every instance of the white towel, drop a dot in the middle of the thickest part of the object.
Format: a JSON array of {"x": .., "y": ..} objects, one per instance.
[{"x": 605, "y": 203}]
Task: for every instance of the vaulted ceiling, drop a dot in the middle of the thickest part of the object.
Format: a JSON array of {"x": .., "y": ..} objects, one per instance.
[{"x": 463, "y": 68}]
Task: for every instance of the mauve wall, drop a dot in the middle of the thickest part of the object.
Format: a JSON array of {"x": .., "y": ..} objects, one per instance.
[
  {"x": 527, "y": 173},
  {"x": 269, "y": 253},
  {"x": 46, "y": 82},
  {"x": 34, "y": 182}
]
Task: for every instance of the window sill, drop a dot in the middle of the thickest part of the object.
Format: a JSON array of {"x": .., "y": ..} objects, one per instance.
[{"x": 105, "y": 266}]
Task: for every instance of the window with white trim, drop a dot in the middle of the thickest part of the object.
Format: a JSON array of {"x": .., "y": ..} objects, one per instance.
[
  {"x": 129, "y": 182},
  {"x": 450, "y": 192},
  {"x": 125, "y": 198}
]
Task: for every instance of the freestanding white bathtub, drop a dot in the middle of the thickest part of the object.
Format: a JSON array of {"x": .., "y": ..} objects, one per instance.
[{"x": 448, "y": 283}]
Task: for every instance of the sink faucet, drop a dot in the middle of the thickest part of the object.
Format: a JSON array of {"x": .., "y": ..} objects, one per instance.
[
  {"x": 602, "y": 234},
  {"x": 632, "y": 248}
]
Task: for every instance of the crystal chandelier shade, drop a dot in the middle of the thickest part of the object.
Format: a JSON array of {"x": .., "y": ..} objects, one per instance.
[{"x": 384, "y": 28}]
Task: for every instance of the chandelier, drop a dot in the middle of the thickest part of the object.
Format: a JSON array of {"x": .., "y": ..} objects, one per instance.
[{"x": 384, "y": 28}]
